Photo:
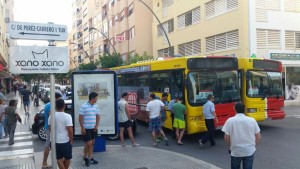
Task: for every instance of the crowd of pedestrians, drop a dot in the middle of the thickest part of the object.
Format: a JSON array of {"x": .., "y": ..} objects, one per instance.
[{"x": 241, "y": 133}]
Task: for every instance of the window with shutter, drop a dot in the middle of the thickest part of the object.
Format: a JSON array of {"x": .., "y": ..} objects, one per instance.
[
  {"x": 273, "y": 39},
  {"x": 261, "y": 38},
  {"x": 292, "y": 5},
  {"x": 232, "y": 39},
  {"x": 197, "y": 47},
  {"x": 297, "y": 36},
  {"x": 188, "y": 18},
  {"x": 210, "y": 9},
  {"x": 210, "y": 44},
  {"x": 289, "y": 40},
  {"x": 181, "y": 21},
  {"x": 181, "y": 49},
  {"x": 171, "y": 25},
  {"x": 196, "y": 15},
  {"x": 219, "y": 7},
  {"x": 221, "y": 42},
  {"x": 130, "y": 9}
]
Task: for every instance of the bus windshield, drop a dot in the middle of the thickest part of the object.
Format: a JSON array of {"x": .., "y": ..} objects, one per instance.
[
  {"x": 264, "y": 84},
  {"x": 222, "y": 84}
]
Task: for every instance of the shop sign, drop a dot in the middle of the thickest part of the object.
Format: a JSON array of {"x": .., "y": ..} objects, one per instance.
[{"x": 285, "y": 56}]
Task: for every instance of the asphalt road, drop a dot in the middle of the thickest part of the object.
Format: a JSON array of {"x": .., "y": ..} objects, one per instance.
[{"x": 279, "y": 148}]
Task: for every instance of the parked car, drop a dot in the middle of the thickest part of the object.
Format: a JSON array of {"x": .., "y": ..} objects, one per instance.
[{"x": 39, "y": 121}]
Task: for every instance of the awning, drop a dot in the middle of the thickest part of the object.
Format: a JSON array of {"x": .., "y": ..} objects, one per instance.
[{"x": 5, "y": 74}]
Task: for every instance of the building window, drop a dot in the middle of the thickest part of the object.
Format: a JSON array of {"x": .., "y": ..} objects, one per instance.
[
  {"x": 110, "y": 23},
  {"x": 122, "y": 15},
  {"x": 100, "y": 47},
  {"x": 79, "y": 59},
  {"x": 116, "y": 18},
  {"x": 85, "y": 12},
  {"x": 131, "y": 33},
  {"x": 91, "y": 38},
  {"x": 168, "y": 27},
  {"x": 218, "y": 7},
  {"x": 105, "y": 27},
  {"x": 132, "y": 54},
  {"x": 190, "y": 48},
  {"x": 130, "y": 9},
  {"x": 86, "y": 40},
  {"x": 166, "y": 52},
  {"x": 267, "y": 39},
  {"x": 85, "y": 27},
  {"x": 292, "y": 5},
  {"x": 189, "y": 18},
  {"x": 222, "y": 42},
  {"x": 292, "y": 40}
]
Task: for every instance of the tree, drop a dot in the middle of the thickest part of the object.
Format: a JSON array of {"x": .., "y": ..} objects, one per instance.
[
  {"x": 89, "y": 66},
  {"x": 110, "y": 60},
  {"x": 137, "y": 58}
]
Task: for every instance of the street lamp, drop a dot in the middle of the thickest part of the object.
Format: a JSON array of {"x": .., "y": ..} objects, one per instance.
[
  {"x": 86, "y": 53},
  {"x": 91, "y": 28},
  {"x": 159, "y": 25}
]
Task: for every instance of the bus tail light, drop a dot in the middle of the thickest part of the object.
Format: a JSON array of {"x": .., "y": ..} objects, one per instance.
[{"x": 251, "y": 110}]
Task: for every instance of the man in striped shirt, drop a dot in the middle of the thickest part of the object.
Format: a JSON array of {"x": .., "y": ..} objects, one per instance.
[{"x": 89, "y": 121}]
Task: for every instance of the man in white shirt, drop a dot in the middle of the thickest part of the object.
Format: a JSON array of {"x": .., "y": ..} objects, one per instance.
[
  {"x": 154, "y": 108},
  {"x": 241, "y": 134},
  {"x": 63, "y": 135}
]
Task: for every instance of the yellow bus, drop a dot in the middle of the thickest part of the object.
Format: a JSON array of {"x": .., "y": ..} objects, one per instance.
[
  {"x": 192, "y": 78},
  {"x": 262, "y": 89}
]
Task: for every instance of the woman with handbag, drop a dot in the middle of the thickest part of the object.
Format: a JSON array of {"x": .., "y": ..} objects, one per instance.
[{"x": 12, "y": 118}]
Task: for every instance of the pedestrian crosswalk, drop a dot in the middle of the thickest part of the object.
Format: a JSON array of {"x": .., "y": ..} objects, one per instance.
[{"x": 23, "y": 146}]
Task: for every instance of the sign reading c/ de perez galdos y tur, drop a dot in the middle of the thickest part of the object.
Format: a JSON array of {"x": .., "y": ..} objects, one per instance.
[{"x": 37, "y": 59}]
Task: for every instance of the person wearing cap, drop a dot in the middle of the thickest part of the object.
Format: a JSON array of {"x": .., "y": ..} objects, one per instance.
[
  {"x": 242, "y": 134},
  {"x": 47, "y": 109},
  {"x": 125, "y": 121}
]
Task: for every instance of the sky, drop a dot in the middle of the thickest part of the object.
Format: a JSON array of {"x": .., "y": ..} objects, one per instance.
[{"x": 43, "y": 11}]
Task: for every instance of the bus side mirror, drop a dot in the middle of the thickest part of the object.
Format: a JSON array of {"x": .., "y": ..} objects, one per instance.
[{"x": 248, "y": 75}]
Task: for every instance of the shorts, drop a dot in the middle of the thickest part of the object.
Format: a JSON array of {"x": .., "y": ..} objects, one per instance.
[
  {"x": 126, "y": 124},
  {"x": 154, "y": 124},
  {"x": 47, "y": 143},
  {"x": 90, "y": 134},
  {"x": 64, "y": 150},
  {"x": 26, "y": 103},
  {"x": 180, "y": 124}
]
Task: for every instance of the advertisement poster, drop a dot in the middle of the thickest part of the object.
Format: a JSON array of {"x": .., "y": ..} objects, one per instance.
[
  {"x": 292, "y": 88},
  {"x": 103, "y": 84}
]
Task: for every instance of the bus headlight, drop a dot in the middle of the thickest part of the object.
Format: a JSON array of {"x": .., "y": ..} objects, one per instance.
[{"x": 251, "y": 110}]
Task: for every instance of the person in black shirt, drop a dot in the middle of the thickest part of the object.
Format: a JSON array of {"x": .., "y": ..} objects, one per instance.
[{"x": 26, "y": 101}]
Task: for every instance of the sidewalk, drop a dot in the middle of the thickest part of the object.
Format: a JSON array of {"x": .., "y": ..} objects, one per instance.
[
  {"x": 20, "y": 155},
  {"x": 115, "y": 156}
]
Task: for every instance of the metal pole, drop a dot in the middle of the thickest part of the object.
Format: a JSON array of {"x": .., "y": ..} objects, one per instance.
[
  {"x": 52, "y": 112},
  {"x": 159, "y": 25},
  {"x": 106, "y": 38}
]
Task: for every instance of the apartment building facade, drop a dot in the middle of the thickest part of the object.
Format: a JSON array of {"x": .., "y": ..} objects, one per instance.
[
  {"x": 6, "y": 15},
  {"x": 241, "y": 28},
  {"x": 122, "y": 26}
]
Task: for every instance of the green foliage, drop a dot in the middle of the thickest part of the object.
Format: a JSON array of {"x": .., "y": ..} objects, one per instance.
[
  {"x": 110, "y": 60},
  {"x": 137, "y": 58},
  {"x": 88, "y": 66}
]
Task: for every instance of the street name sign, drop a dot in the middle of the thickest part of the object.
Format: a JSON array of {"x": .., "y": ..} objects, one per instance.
[
  {"x": 38, "y": 31},
  {"x": 38, "y": 59}
]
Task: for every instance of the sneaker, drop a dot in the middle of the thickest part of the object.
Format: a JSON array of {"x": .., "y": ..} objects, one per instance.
[
  {"x": 166, "y": 142},
  {"x": 135, "y": 145},
  {"x": 93, "y": 161},
  {"x": 86, "y": 162},
  {"x": 200, "y": 143},
  {"x": 11, "y": 143},
  {"x": 123, "y": 145}
]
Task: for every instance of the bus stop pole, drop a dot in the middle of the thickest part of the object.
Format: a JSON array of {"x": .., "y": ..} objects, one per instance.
[{"x": 52, "y": 133}]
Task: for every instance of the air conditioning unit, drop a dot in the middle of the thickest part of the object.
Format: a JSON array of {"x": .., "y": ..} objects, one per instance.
[{"x": 7, "y": 20}]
